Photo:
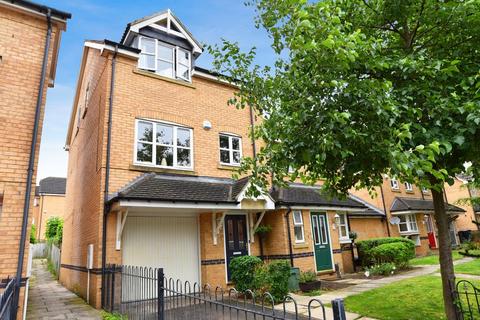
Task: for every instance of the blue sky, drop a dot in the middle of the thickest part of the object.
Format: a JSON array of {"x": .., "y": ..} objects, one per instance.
[{"x": 208, "y": 20}]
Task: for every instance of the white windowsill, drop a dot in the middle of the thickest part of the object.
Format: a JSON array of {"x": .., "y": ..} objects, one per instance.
[
  {"x": 143, "y": 164},
  {"x": 345, "y": 240}
]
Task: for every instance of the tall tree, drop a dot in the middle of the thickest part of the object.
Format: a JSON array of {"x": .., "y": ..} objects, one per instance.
[{"x": 361, "y": 88}]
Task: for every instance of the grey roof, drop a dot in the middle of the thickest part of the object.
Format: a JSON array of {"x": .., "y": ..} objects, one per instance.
[
  {"x": 170, "y": 187},
  {"x": 40, "y": 8},
  {"x": 414, "y": 204},
  {"x": 299, "y": 194},
  {"x": 52, "y": 185},
  {"x": 370, "y": 211}
]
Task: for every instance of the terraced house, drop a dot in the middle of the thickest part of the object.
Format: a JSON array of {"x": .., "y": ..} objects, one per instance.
[
  {"x": 152, "y": 148},
  {"x": 29, "y": 43}
]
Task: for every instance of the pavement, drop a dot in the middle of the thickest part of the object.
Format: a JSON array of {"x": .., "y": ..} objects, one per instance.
[{"x": 48, "y": 299}]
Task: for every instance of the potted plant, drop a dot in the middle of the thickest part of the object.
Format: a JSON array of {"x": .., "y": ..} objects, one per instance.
[
  {"x": 308, "y": 281},
  {"x": 262, "y": 230}
]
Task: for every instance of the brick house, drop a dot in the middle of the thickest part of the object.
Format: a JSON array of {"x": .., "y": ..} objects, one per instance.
[
  {"x": 49, "y": 202},
  {"x": 409, "y": 213},
  {"x": 152, "y": 148},
  {"x": 26, "y": 70}
]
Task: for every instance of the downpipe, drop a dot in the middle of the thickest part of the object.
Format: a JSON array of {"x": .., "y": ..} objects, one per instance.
[
  {"x": 289, "y": 234},
  {"x": 31, "y": 164}
]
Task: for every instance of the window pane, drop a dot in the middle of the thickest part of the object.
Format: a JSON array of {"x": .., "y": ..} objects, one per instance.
[
  {"x": 236, "y": 157},
  {"x": 316, "y": 237},
  {"x": 183, "y": 71},
  {"x": 323, "y": 231},
  {"x": 165, "y": 156},
  {"x": 230, "y": 239},
  {"x": 164, "y": 134},
  {"x": 236, "y": 143},
  {"x": 144, "y": 152},
  {"x": 342, "y": 219},
  {"x": 241, "y": 236},
  {"x": 343, "y": 232},
  {"x": 183, "y": 137},
  {"x": 298, "y": 230},
  {"x": 147, "y": 45},
  {"x": 403, "y": 227},
  {"x": 145, "y": 131},
  {"x": 297, "y": 217},
  {"x": 183, "y": 157},
  {"x": 224, "y": 142},
  {"x": 165, "y": 53},
  {"x": 183, "y": 57},
  {"x": 165, "y": 68},
  {"x": 147, "y": 62},
  {"x": 224, "y": 156},
  {"x": 402, "y": 218}
]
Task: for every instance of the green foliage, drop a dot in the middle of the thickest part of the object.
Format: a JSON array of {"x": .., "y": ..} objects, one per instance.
[
  {"x": 51, "y": 269},
  {"x": 398, "y": 253},
  {"x": 263, "y": 229},
  {"x": 113, "y": 316},
  {"x": 467, "y": 246},
  {"x": 368, "y": 256},
  {"x": 278, "y": 274},
  {"x": 308, "y": 276},
  {"x": 54, "y": 230},
  {"x": 243, "y": 271},
  {"x": 383, "y": 269},
  {"x": 33, "y": 232}
]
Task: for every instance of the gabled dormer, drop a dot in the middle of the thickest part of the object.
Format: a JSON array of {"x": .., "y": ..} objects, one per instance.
[{"x": 167, "y": 47}]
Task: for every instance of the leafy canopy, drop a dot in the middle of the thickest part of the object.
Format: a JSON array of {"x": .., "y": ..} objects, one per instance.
[{"x": 360, "y": 89}]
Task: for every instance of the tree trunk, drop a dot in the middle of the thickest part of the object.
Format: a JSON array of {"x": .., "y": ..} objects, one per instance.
[{"x": 445, "y": 251}]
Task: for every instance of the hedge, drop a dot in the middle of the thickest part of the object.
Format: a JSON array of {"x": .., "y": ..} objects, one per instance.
[
  {"x": 368, "y": 256},
  {"x": 243, "y": 271}
]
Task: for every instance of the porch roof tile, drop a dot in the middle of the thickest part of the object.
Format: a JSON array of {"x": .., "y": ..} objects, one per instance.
[{"x": 414, "y": 204}]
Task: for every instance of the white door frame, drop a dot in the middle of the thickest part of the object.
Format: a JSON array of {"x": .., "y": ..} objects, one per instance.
[{"x": 329, "y": 240}]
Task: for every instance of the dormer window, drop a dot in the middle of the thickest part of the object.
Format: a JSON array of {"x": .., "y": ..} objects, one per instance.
[{"x": 164, "y": 59}]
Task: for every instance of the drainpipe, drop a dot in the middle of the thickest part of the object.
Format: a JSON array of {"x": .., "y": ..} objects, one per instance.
[
  {"x": 31, "y": 163},
  {"x": 106, "y": 206},
  {"x": 385, "y": 211},
  {"x": 290, "y": 250},
  {"x": 252, "y": 125}
]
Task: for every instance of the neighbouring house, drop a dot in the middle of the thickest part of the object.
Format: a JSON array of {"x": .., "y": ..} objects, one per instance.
[
  {"x": 27, "y": 29},
  {"x": 49, "y": 202},
  {"x": 152, "y": 147},
  {"x": 409, "y": 211}
]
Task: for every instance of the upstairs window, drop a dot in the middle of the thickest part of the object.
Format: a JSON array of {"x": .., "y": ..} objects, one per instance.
[
  {"x": 163, "y": 145},
  {"x": 230, "y": 150},
  {"x": 408, "y": 187},
  {"x": 408, "y": 223},
  {"x": 298, "y": 226},
  {"x": 164, "y": 59},
  {"x": 394, "y": 184}
]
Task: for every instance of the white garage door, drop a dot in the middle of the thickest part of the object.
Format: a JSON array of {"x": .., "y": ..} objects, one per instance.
[{"x": 167, "y": 242}]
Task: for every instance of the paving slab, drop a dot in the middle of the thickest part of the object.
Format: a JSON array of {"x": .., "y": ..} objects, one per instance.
[{"x": 48, "y": 299}]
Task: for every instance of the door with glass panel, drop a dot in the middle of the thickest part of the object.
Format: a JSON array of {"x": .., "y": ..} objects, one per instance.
[
  {"x": 236, "y": 242},
  {"x": 321, "y": 241}
]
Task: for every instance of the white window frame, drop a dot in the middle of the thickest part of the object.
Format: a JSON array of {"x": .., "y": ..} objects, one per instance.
[
  {"x": 345, "y": 238},
  {"x": 394, "y": 184},
  {"x": 410, "y": 219},
  {"x": 154, "y": 143},
  {"x": 230, "y": 149},
  {"x": 175, "y": 59},
  {"x": 298, "y": 224},
  {"x": 408, "y": 186}
]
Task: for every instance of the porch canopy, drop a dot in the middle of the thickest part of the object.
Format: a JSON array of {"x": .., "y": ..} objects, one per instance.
[{"x": 414, "y": 205}]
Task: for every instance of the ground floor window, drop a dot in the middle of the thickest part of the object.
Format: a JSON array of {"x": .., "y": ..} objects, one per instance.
[
  {"x": 415, "y": 238},
  {"x": 343, "y": 227},
  {"x": 298, "y": 229},
  {"x": 408, "y": 223}
]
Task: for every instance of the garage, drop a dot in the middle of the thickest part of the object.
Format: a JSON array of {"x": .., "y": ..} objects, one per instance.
[{"x": 167, "y": 241}]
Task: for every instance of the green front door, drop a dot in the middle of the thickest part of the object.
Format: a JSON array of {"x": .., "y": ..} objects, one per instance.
[{"x": 321, "y": 241}]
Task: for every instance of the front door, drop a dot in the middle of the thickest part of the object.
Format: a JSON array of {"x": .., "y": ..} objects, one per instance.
[
  {"x": 236, "y": 242},
  {"x": 432, "y": 242},
  {"x": 321, "y": 241}
]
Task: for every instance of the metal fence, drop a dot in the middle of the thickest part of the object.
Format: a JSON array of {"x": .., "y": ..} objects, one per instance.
[
  {"x": 468, "y": 297},
  {"x": 54, "y": 256},
  {"x": 7, "y": 299},
  {"x": 145, "y": 293},
  {"x": 39, "y": 250}
]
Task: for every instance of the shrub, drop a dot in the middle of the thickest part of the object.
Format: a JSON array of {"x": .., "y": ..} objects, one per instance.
[
  {"x": 398, "y": 253},
  {"x": 383, "y": 269},
  {"x": 33, "y": 232},
  {"x": 467, "y": 246},
  {"x": 243, "y": 272},
  {"x": 278, "y": 274},
  {"x": 308, "y": 276},
  {"x": 54, "y": 230},
  {"x": 365, "y": 248}
]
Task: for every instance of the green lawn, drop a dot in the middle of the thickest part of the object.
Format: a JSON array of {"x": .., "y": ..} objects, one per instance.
[
  {"x": 432, "y": 259},
  {"x": 417, "y": 298},
  {"x": 472, "y": 267}
]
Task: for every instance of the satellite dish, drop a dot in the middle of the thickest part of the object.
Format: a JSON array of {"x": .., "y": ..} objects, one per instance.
[{"x": 394, "y": 220}]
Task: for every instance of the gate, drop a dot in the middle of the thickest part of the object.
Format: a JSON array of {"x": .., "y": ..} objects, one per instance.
[
  {"x": 7, "y": 306},
  {"x": 145, "y": 293},
  {"x": 468, "y": 297}
]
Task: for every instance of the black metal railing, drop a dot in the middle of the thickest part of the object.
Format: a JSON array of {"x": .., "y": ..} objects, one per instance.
[
  {"x": 6, "y": 299},
  {"x": 468, "y": 297},
  {"x": 145, "y": 293}
]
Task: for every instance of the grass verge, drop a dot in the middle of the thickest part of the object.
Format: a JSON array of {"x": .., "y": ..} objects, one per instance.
[
  {"x": 432, "y": 259},
  {"x": 472, "y": 267}
]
